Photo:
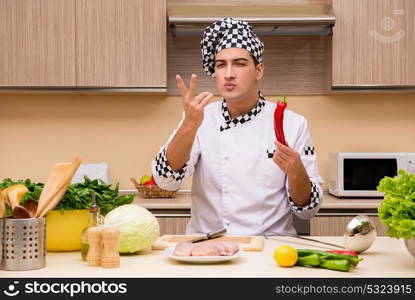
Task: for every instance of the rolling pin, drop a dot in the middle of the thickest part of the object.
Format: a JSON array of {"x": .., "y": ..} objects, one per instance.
[{"x": 110, "y": 256}]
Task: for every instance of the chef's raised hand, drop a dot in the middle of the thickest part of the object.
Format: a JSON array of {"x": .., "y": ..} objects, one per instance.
[
  {"x": 288, "y": 159},
  {"x": 193, "y": 105}
]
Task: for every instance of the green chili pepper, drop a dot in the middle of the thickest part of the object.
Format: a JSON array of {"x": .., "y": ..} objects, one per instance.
[
  {"x": 336, "y": 264},
  {"x": 304, "y": 252},
  {"x": 354, "y": 260},
  {"x": 309, "y": 260}
]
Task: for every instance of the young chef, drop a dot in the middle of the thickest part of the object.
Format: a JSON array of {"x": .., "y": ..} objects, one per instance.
[{"x": 243, "y": 179}]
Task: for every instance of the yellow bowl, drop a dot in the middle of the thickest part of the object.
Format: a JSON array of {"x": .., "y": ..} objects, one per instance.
[{"x": 64, "y": 229}]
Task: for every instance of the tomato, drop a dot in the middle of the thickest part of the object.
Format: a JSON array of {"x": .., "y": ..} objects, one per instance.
[{"x": 150, "y": 182}]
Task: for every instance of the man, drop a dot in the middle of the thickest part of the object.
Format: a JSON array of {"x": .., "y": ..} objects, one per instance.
[{"x": 243, "y": 179}]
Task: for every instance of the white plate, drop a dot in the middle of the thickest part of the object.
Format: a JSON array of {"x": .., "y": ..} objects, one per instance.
[{"x": 202, "y": 259}]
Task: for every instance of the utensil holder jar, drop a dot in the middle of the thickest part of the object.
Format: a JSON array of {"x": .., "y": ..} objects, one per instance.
[{"x": 23, "y": 244}]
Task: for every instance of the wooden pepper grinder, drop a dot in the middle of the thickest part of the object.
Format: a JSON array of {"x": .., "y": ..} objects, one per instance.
[
  {"x": 93, "y": 257},
  {"x": 110, "y": 256}
]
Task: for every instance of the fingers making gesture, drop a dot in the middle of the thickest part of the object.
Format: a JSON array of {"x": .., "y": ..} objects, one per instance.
[{"x": 193, "y": 105}]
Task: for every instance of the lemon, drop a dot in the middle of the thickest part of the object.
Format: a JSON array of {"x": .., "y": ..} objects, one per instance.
[{"x": 285, "y": 256}]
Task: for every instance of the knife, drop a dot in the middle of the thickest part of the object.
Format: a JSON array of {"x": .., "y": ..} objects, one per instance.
[
  {"x": 307, "y": 239},
  {"x": 209, "y": 236}
]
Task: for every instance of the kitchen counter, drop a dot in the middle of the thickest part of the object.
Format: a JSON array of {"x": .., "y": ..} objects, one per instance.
[
  {"x": 387, "y": 257},
  {"x": 183, "y": 201}
]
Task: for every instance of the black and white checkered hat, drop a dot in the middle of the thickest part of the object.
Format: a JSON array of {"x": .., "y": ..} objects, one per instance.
[{"x": 228, "y": 33}]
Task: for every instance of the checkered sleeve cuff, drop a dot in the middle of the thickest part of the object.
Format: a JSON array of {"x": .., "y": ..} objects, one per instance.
[
  {"x": 314, "y": 197},
  {"x": 163, "y": 168}
]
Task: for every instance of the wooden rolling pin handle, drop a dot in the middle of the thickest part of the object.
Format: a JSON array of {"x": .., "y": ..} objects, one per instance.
[
  {"x": 110, "y": 255},
  {"x": 93, "y": 257}
]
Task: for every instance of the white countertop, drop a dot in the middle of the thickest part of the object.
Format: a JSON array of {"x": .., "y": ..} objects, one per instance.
[{"x": 387, "y": 257}]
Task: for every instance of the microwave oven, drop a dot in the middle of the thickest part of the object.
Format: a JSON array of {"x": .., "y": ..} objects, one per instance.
[{"x": 357, "y": 174}]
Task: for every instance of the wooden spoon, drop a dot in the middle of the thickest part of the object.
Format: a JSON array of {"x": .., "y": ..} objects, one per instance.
[
  {"x": 31, "y": 207},
  {"x": 54, "y": 199},
  {"x": 56, "y": 186},
  {"x": 13, "y": 199},
  {"x": 54, "y": 179},
  {"x": 2, "y": 206},
  {"x": 19, "y": 212}
]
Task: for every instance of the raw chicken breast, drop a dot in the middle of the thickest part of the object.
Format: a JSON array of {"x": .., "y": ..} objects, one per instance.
[
  {"x": 227, "y": 248},
  {"x": 210, "y": 248},
  {"x": 206, "y": 248},
  {"x": 183, "y": 249}
]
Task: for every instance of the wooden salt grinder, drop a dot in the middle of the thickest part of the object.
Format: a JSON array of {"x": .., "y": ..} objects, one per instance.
[
  {"x": 110, "y": 255},
  {"x": 93, "y": 257}
]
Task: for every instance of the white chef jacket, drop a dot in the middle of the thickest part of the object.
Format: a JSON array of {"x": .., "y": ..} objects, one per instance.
[{"x": 236, "y": 184}]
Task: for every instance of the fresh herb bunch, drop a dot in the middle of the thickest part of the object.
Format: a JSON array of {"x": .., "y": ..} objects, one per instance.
[
  {"x": 78, "y": 195},
  {"x": 397, "y": 210}
]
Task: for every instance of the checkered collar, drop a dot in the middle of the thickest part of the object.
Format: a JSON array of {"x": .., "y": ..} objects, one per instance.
[{"x": 229, "y": 123}]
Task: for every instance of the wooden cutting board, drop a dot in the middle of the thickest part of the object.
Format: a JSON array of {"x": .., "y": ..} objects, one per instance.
[{"x": 247, "y": 243}]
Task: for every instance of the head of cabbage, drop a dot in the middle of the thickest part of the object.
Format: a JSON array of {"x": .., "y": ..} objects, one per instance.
[{"x": 139, "y": 229}]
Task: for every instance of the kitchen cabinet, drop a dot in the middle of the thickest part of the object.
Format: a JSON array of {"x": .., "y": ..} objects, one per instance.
[
  {"x": 37, "y": 44},
  {"x": 296, "y": 63},
  {"x": 321, "y": 225},
  {"x": 331, "y": 220},
  {"x": 83, "y": 44},
  {"x": 373, "y": 42},
  {"x": 176, "y": 222},
  {"x": 334, "y": 224},
  {"x": 172, "y": 224},
  {"x": 121, "y": 43}
]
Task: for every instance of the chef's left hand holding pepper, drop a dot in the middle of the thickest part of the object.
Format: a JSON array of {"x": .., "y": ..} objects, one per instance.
[
  {"x": 290, "y": 163},
  {"x": 287, "y": 158}
]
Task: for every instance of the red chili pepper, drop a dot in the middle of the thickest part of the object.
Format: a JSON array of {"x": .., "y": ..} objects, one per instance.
[
  {"x": 343, "y": 252},
  {"x": 278, "y": 120}
]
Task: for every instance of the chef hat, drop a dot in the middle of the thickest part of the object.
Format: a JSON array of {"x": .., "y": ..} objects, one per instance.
[{"x": 228, "y": 33}]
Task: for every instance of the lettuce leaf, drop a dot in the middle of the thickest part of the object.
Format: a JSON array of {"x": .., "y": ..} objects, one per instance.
[{"x": 397, "y": 210}]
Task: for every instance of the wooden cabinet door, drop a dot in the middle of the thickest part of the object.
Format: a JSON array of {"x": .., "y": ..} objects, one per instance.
[
  {"x": 121, "y": 43},
  {"x": 373, "y": 43},
  {"x": 335, "y": 225},
  {"x": 37, "y": 43},
  {"x": 172, "y": 225}
]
